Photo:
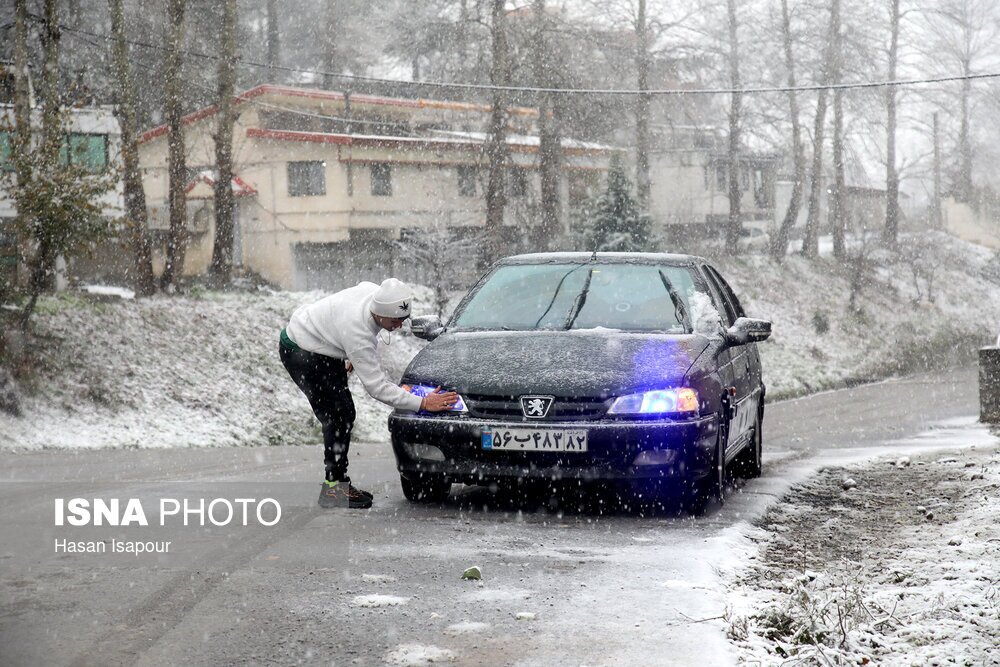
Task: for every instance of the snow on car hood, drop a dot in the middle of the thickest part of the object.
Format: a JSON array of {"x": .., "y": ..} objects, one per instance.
[{"x": 596, "y": 362}]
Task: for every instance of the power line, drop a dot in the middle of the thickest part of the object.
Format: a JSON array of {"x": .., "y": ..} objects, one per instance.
[{"x": 655, "y": 92}]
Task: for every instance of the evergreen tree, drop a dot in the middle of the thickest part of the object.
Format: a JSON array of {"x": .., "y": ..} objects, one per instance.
[{"x": 614, "y": 221}]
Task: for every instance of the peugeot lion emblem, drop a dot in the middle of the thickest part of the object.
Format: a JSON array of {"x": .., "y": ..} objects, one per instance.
[{"x": 536, "y": 407}]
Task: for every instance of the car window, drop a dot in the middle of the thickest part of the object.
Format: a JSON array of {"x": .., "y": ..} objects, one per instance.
[
  {"x": 729, "y": 313},
  {"x": 732, "y": 303},
  {"x": 631, "y": 297}
]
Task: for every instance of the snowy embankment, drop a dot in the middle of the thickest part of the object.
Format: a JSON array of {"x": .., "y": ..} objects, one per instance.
[
  {"x": 889, "y": 562},
  {"x": 203, "y": 369}
]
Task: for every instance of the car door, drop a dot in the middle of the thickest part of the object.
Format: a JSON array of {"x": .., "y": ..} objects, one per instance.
[
  {"x": 742, "y": 362},
  {"x": 724, "y": 355}
]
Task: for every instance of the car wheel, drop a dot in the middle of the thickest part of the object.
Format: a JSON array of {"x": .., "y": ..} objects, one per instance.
[
  {"x": 425, "y": 488},
  {"x": 749, "y": 461}
]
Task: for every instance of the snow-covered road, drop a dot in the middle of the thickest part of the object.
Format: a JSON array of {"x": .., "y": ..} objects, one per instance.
[{"x": 560, "y": 586}]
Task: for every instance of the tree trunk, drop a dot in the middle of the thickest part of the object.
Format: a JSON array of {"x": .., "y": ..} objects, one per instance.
[
  {"x": 810, "y": 243},
  {"x": 964, "y": 189},
  {"x": 642, "y": 180},
  {"x": 838, "y": 214},
  {"x": 42, "y": 262},
  {"x": 496, "y": 147},
  {"x": 936, "y": 217},
  {"x": 273, "y": 41},
  {"x": 735, "y": 223},
  {"x": 143, "y": 280},
  {"x": 779, "y": 244},
  {"x": 222, "y": 250},
  {"x": 331, "y": 59},
  {"x": 550, "y": 227},
  {"x": 891, "y": 231},
  {"x": 176, "y": 169}
]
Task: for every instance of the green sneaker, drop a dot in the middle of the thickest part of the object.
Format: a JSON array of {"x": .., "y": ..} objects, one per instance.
[{"x": 343, "y": 494}]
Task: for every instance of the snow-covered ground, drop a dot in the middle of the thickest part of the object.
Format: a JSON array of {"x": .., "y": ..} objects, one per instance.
[
  {"x": 892, "y": 561},
  {"x": 203, "y": 370}
]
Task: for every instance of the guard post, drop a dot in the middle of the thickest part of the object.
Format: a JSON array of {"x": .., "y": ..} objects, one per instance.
[{"x": 989, "y": 384}]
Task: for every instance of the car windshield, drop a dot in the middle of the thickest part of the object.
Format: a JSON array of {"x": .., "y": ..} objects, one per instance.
[{"x": 630, "y": 297}]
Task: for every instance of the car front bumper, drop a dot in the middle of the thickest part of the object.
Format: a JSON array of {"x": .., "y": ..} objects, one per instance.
[{"x": 677, "y": 450}]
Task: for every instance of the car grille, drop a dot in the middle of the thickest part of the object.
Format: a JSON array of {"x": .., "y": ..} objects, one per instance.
[{"x": 509, "y": 407}]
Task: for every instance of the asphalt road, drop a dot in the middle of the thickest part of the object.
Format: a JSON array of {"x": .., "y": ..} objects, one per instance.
[{"x": 383, "y": 585}]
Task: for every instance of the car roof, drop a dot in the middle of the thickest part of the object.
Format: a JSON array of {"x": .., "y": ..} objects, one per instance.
[{"x": 609, "y": 257}]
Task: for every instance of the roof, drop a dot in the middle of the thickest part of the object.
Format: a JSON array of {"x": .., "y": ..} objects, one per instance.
[
  {"x": 240, "y": 187},
  {"x": 319, "y": 96},
  {"x": 517, "y": 143}
]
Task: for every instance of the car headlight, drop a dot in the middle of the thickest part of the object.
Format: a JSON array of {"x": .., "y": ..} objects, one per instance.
[
  {"x": 683, "y": 401},
  {"x": 422, "y": 390}
]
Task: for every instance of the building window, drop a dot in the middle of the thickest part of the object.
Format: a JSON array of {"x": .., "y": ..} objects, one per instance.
[
  {"x": 89, "y": 151},
  {"x": 721, "y": 177},
  {"x": 381, "y": 179},
  {"x": 306, "y": 179},
  {"x": 467, "y": 181},
  {"x": 517, "y": 183},
  {"x": 6, "y": 141}
]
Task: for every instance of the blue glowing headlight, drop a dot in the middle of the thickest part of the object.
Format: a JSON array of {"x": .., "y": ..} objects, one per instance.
[
  {"x": 683, "y": 400},
  {"x": 422, "y": 390}
]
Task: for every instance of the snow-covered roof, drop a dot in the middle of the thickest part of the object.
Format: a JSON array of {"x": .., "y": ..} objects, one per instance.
[
  {"x": 208, "y": 177},
  {"x": 315, "y": 97},
  {"x": 467, "y": 140}
]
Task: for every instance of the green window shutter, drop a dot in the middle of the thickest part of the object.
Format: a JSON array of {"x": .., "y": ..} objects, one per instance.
[
  {"x": 89, "y": 150},
  {"x": 5, "y": 151}
]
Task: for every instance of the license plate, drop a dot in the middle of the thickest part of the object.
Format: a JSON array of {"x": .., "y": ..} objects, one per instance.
[{"x": 535, "y": 440}]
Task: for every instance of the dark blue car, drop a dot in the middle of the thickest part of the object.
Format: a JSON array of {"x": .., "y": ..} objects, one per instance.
[{"x": 585, "y": 367}]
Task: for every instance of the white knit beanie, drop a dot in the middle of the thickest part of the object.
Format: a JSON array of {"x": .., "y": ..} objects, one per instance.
[{"x": 392, "y": 299}]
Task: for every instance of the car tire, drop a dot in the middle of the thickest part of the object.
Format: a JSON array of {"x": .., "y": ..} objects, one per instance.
[
  {"x": 425, "y": 488},
  {"x": 748, "y": 463}
]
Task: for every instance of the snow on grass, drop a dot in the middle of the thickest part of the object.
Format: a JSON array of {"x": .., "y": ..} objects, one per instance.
[
  {"x": 379, "y": 601},
  {"x": 203, "y": 370},
  {"x": 900, "y": 570},
  {"x": 415, "y": 655}
]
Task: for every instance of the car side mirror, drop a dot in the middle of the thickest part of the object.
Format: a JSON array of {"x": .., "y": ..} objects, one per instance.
[
  {"x": 748, "y": 330},
  {"x": 426, "y": 328}
]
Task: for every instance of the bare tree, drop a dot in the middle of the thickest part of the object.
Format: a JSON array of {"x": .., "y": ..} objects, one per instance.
[
  {"x": 496, "y": 145},
  {"x": 963, "y": 34},
  {"x": 891, "y": 230},
  {"x": 838, "y": 220},
  {"x": 549, "y": 227},
  {"x": 176, "y": 169},
  {"x": 273, "y": 40},
  {"x": 810, "y": 242},
  {"x": 735, "y": 223},
  {"x": 642, "y": 58},
  {"x": 779, "y": 243},
  {"x": 936, "y": 221},
  {"x": 222, "y": 250},
  {"x": 433, "y": 250},
  {"x": 136, "y": 218}
]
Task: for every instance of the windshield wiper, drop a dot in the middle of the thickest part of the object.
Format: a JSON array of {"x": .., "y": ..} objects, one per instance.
[
  {"x": 680, "y": 310},
  {"x": 556, "y": 293},
  {"x": 580, "y": 299}
]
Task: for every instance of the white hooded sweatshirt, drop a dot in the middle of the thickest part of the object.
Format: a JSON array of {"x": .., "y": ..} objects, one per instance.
[{"x": 341, "y": 325}]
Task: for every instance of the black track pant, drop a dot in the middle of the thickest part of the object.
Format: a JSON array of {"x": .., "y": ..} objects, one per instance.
[{"x": 323, "y": 380}]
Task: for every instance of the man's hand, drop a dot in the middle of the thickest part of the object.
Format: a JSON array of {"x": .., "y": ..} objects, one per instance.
[
  {"x": 350, "y": 367},
  {"x": 439, "y": 401}
]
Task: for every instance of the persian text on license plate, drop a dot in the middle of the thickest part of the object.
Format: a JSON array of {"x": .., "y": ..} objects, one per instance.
[{"x": 535, "y": 440}]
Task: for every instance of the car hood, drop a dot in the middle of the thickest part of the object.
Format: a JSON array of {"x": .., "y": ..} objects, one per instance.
[{"x": 562, "y": 363}]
